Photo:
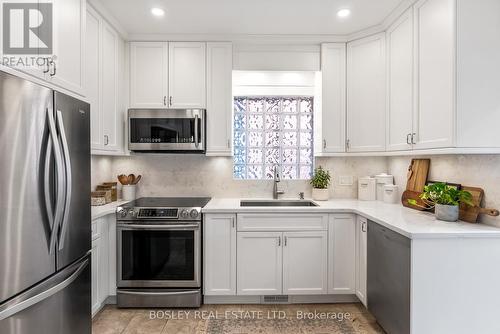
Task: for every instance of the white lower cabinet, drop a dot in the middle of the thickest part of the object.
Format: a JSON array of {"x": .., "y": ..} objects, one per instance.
[
  {"x": 259, "y": 258},
  {"x": 219, "y": 254},
  {"x": 95, "y": 275},
  {"x": 361, "y": 258},
  {"x": 100, "y": 259},
  {"x": 305, "y": 263},
  {"x": 342, "y": 254}
]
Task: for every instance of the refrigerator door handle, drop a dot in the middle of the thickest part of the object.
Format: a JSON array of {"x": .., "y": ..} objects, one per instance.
[
  {"x": 69, "y": 178},
  {"x": 53, "y": 141},
  {"x": 39, "y": 297}
]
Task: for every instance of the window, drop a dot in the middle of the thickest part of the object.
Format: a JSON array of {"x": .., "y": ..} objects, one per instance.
[{"x": 273, "y": 130}]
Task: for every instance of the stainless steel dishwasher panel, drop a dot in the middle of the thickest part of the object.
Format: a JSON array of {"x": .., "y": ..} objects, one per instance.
[{"x": 388, "y": 280}]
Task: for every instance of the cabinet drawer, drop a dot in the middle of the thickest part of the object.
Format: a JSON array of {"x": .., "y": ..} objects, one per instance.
[{"x": 282, "y": 222}]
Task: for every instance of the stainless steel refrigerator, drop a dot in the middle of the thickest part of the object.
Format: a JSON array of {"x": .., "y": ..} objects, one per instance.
[{"x": 44, "y": 210}]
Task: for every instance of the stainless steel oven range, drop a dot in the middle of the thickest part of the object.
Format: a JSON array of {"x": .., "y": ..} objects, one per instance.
[{"x": 159, "y": 252}]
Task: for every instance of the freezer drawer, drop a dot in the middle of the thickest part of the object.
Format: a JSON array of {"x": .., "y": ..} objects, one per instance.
[
  {"x": 59, "y": 305},
  {"x": 388, "y": 281}
]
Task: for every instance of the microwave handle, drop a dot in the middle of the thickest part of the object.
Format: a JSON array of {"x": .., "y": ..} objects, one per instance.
[{"x": 196, "y": 134}]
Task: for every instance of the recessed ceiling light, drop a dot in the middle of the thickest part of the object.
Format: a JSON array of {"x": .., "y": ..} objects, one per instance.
[
  {"x": 157, "y": 11},
  {"x": 344, "y": 13}
]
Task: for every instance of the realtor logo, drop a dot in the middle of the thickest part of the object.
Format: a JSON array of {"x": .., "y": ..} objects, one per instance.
[{"x": 27, "y": 28}]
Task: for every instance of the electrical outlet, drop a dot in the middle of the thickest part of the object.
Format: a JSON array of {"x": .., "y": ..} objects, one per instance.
[{"x": 346, "y": 180}]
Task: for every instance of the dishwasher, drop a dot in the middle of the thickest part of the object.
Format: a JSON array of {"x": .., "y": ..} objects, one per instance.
[{"x": 388, "y": 278}]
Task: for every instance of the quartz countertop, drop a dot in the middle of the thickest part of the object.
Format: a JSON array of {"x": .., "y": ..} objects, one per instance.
[
  {"x": 408, "y": 222},
  {"x": 107, "y": 209}
]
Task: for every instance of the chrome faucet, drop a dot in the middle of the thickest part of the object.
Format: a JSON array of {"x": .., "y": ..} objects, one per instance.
[{"x": 277, "y": 179}]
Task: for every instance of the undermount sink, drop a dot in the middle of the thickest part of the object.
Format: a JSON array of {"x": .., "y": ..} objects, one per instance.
[{"x": 278, "y": 203}]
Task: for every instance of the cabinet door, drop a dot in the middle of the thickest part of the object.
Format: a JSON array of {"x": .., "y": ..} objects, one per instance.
[
  {"x": 435, "y": 78},
  {"x": 219, "y": 255},
  {"x": 259, "y": 270},
  {"x": 366, "y": 87},
  {"x": 187, "y": 75},
  {"x": 104, "y": 267},
  {"x": 69, "y": 37},
  {"x": 342, "y": 254},
  {"x": 109, "y": 72},
  {"x": 95, "y": 275},
  {"x": 219, "y": 98},
  {"x": 361, "y": 235},
  {"x": 400, "y": 83},
  {"x": 148, "y": 75},
  {"x": 305, "y": 263},
  {"x": 92, "y": 72},
  {"x": 333, "y": 69}
]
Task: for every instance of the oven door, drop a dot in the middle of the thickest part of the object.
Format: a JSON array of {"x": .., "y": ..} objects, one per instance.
[
  {"x": 156, "y": 255},
  {"x": 177, "y": 130}
]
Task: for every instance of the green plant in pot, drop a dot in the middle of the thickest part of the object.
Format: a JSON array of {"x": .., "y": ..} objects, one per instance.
[
  {"x": 445, "y": 199},
  {"x": 320, "y": 182}
]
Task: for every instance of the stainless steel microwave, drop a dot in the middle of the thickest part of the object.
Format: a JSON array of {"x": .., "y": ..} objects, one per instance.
[{"x": 167, "y": 130}]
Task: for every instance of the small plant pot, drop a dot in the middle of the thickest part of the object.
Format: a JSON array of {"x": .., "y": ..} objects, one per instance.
[
  {"x": 320, "y": 194},
  {"x": 447, "y": 213}
]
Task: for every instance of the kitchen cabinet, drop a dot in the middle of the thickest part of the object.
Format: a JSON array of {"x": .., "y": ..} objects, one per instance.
[
  {"x": 187, "y": 75},
  {"x": 400, "y": 83},
  {"x": 69, "y": 43},
  {"x": 149, "y": 75},
  {"x": 361, "y": 256},
  {"x": 305, "y": 263},
  {"x": 99, "y": 262},
  {"x": 219, "y": 98},
  {"x": 259, "y": 263},
  {"x": 333, "y": 70},
  {"x": 342, "y": 254},
  {"x": 219, "y": 254},
  {"x": 104, "y": 74},
  {"x": 435, "y": 73},
  {"x": 366, "y": 90}
]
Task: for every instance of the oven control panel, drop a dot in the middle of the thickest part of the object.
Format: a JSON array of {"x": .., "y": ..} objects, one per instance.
[{"x": 145, "y": 213}]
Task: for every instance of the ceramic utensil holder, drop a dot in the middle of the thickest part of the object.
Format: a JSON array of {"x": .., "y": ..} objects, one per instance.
[{"x": 129, "y": 192}]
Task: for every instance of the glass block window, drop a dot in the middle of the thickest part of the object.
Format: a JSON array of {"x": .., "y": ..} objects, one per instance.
[{"x": 273, "y": 130}]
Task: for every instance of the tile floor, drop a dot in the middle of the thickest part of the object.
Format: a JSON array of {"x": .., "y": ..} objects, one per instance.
[{"x": 238, "y": 319}]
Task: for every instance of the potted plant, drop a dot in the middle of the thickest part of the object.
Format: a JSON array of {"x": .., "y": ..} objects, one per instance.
[
  {"x": 445, "y": 199},
  {"x": 320, "y": 182}
]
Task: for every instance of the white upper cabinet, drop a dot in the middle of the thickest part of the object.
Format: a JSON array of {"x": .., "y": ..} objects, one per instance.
[
  {"x": 435, "y": 74},
  {"x": 69, "y": 37},
  {"x": 333, "y": 70},
  {"x": 219, "y": 98},
  {"x": 148, "y": 75},
  {"x": 187, "y": 75},
  {"x": 103, "y": 76},
  {"x": 400, "y": 83},
  {"x": 366, "y": 87}
]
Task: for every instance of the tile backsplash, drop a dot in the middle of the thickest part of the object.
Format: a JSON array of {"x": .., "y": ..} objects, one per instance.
[{"x": 197, "y": 175}]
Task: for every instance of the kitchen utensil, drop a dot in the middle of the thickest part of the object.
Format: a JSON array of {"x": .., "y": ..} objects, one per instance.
[
  {"x": 413, "y": 195},
  {"x": 417, "y": 174},
  {"x": 123, "y": 179},
  {"x": 137, "y": 179},
  {"x": 131, "y": 178},
  {"x": 470, "y": 214}
]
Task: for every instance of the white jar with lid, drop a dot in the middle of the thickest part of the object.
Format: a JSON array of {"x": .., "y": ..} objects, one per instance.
[
  {"x": 382, "y": 180},
  {"x": 391, "y": 193},
  {"x": 367, "y": 188}
]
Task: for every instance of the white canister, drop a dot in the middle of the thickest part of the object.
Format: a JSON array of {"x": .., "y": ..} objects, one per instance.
[
  {"x": 391, "y": 193},
  {"x": 128, "y": 192},
  {"x": 367, "y": 188},
  {"x": 382, "y": 180}
]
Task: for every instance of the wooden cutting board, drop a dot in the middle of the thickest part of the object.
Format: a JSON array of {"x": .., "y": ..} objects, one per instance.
[
  {"x": 414, "y": 195},
  {"x": 470, "y": 214},
  {"x": 417, "y": 174}
]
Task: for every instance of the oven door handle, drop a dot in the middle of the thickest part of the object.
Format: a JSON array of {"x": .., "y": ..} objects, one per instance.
[
  {"x": 143, "y": 293},
  {"x": 159, "y": 227}
]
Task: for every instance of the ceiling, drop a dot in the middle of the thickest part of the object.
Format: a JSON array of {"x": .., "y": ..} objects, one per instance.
[{"x": 297, "y": 17}]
